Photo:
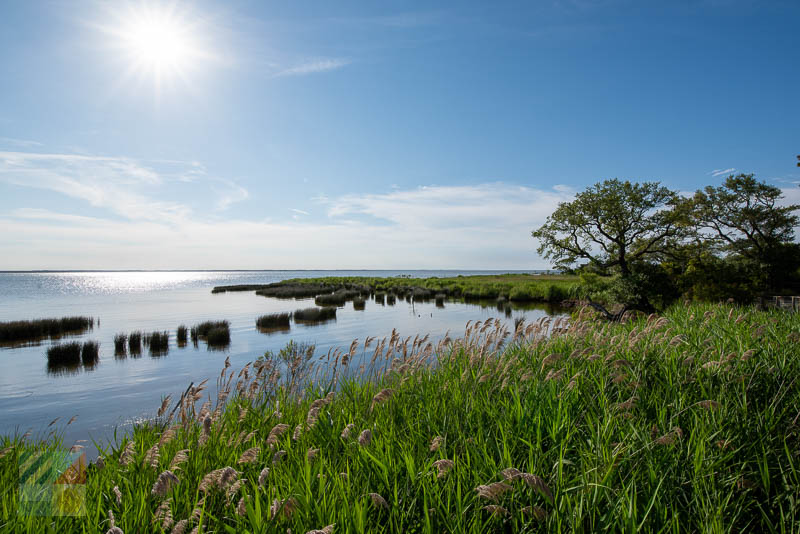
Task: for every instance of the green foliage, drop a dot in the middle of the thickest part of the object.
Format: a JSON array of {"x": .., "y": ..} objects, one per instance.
[
  {"x": 612, "y": 225},
  {"x": 681, "y": 423}
]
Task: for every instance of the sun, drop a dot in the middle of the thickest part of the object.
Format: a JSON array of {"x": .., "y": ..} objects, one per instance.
[{"x": 159, "y": 41}]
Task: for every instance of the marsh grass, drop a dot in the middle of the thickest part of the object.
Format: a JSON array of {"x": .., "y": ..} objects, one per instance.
[
  {"x": 439, "y": 300},
  {"x": 314, "y": 315},
  {"x": 135, "y": 343},
  {"x": 391, "y": 299},
  {"x": 359, "y": 303},
  {"x": 337, "y": 298},
  {"x": 216, "y": 334},
  {"x": 685, "y": 422},
  {"x": 181, "y": 335},
  {"x": 120, "y": 344},
  {"x": 380, "y": 297},
  {"x": 64, "y": 354},
  {"x": 24, "y": 331},
  {"x": 274, "y": 322},
  {"x": 90, "y": 353},
  {"x": 157, "y": 342}
]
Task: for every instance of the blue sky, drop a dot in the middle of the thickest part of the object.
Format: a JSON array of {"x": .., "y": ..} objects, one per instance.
[{"x": 369, "y": 134}]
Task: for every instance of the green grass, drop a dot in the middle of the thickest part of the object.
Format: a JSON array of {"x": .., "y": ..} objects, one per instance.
[
  {"x": 519, "y": 287},
  {"x": 23, "y": 331},
  {"x": 681, "y": 423}
]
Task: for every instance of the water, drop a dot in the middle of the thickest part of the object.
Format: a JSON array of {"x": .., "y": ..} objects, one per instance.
[{"x": 117, "y": 393}]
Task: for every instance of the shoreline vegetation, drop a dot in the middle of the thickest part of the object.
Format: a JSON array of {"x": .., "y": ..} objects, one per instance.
[
  {"x": 40, "y": 329},
  {"x": 685, "y": 421},
  {"x": 336, "y": 290}
]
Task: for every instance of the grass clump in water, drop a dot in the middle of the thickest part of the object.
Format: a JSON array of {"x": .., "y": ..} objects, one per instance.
[
  {"x": 182, "y": 335},
  {"x": 22, "y": 331},
  {"x": 359, "y": 303},
  {"x": 314, "y": 315},
  {"x": 120, "y": 343},
  {"x": 65, "y": 354},
  {"x": 90, "y": 353},
  {"x": 216, "y": 334},
  {"x": 135, "y": 343},
  {"x": 391, "y": 299},
  {"x": 157, "y": 342},
  {"x": 274, "y": 321}
]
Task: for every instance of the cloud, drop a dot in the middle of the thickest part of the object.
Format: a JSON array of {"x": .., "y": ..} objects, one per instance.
[
  {"x": 24, "y": 143},
  {"x": 301, "y": 212},
  {"x": 315, "y": 66},
  {"x": 230, "y": 195},
  {"x": 721, "y": 172}
]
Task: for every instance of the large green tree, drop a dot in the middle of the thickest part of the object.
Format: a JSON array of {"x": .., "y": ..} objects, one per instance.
[
  {"x": 746, "y": 221},
  {"x": 614, "y": 225}
]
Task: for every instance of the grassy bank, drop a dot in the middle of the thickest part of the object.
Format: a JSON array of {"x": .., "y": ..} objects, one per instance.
[
  {"x": 520, "y": 287},
  {"x": 681, "y": 423}
]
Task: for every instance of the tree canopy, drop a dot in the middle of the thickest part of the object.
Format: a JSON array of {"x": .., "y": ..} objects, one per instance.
[{"x": 612, "y": 225}]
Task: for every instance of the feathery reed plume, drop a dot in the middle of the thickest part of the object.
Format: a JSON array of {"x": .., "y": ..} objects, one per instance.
[
  {"x": 249, "y": 456},
  {"x": 539, "y": 514},
  {"x": 283, "y": 507},
  {"x": 241, "y": 508},
  {"x": 380, "y": 397},
  {"x": 436, "y": 443},
  {"x": 100, "y": 463},
  {"x": 670, "y": 437},
  {"x": 117, "y": 495},
  {"x": 312, "y": 453},
  {"x": 443, "y": 467},
  {"x": 152, "y": 457},
  {"x": 114, "y": 530},
  {"x": 276, "y": 433},
  {"x": 180, "y": 457},
  {"x": 348, "y": 430},
  {"x": 233, "y": 489},
  {"x": 180, "y": 527},
  {"x": 492, "y": 491},
  {"x": 127, "y": 453},
  {"x": 262, "y": 477},
  {"x": 365, "y": 438},
  {"x": 219, "y": 478},
  {"x": 495, "y": 509},
  {"x": 165, "y": 481},
  {"x": 378, "y": 501},
  {"x": 324, "y": 530},
  {"x": 708, "y": 404},
  {"x": 746, "y": 355},
  {"x": 163, "y": 515},
  {"x": 298, "y": 431},
  {"x": 164, "y": 405},
  {"x": 278, "y": 456}
]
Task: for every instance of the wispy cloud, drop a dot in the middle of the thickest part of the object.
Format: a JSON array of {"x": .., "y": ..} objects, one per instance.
[
  {"x": 314, "y": 66},
  {"x": 721, "y": 172},
  {"x": 23, "y": 143},
  {"x": 231, "y": 194},
  {"x": 301, "y": 212}
]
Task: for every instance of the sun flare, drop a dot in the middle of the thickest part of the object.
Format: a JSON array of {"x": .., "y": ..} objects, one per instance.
[{"x": 158, "y": 41}]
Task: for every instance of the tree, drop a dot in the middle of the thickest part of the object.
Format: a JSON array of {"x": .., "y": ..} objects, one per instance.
[
  {"x": 745, "y": 220},
  {"x": 614, "y": 225}
]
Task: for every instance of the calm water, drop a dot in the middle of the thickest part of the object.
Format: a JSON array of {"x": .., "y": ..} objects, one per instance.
[{"x": 119, "y": 392}]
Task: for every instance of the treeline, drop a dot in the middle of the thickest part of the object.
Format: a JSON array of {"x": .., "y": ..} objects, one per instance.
[{"x": 644, "y": 245}]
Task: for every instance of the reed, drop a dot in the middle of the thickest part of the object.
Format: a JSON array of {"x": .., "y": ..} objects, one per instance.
[
  {"x": 380, "y": 297},
  {"x": 685, "y": 422},
  {"x": 337, "y": 298},
  {"x": 182, "y": 335},
  {"x": 314, "y": 315},
  {"x": 135, "y": 343},
  {"x": 359, "y": 303},
  {"x": 22, "y": 331},
  {"x": 120, "y": 344},
  {"x": 439, "y": 300},
  {"x": 216, "y": 334},
  {"x": 64, "y": 354},
  {"x": 157, "y": 342},
  {"x": 274, "y": 321},
  {"x": 391, "y": 299},
  {"x": 90, "y": 353}
]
